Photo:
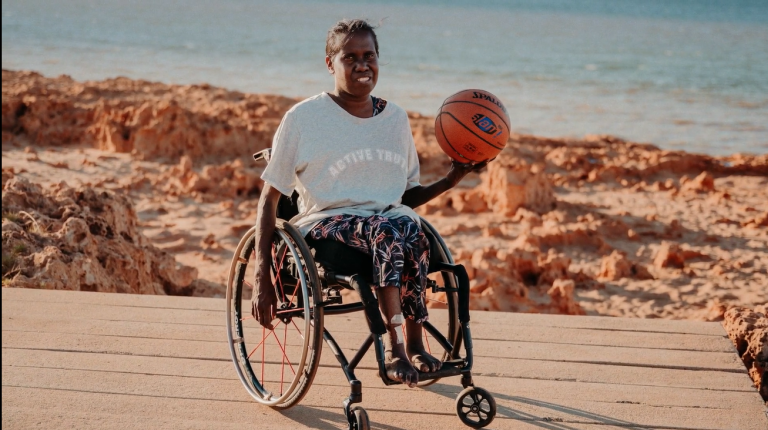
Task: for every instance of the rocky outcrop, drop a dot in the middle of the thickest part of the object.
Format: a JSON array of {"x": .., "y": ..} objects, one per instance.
[
  {"x": 704, "y": 183},
  {"x": 506, "y": 187},
  {"x": 82, "y": 239},
  {"x": 748, "y": 330},
  {"x": 149, "y": 119},
  {"x": 616, "y": 266}
]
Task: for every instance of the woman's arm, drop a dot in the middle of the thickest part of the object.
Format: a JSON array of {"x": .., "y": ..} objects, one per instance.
[
  {"x": 419, "y": 195},
  {"x": 264, "y": 298}
]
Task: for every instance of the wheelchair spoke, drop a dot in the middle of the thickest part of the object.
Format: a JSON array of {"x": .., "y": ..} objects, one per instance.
[
  {"x": 262, "y": 341},
  {"x": 263, "y": 350},
  {"x": 283, "y": 351},
  {"x": 276, "y": 268},
  {"x": 282, "y": 364},
  {"x": 297, "y": 328},
  {"x": 426, "y": 339}
]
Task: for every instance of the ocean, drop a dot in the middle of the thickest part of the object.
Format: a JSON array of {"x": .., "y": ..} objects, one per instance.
[{"x": 682, "y": 74}]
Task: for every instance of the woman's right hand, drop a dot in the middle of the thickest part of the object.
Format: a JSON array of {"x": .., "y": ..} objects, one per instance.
[{"x": 264, "y": 301}]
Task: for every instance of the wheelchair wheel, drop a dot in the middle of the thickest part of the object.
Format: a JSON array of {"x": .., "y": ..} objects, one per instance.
[
  {"x": 360, "y": 419},
  {"x": 447, "y": 300},
  {"x": 475, "y": 407},
  {"x": 276, "y": 366}
]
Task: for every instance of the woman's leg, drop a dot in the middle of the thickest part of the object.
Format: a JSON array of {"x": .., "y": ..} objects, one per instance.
[
  {"x": 416, "y": 268},
  {"x": 388, "y": 251},
  {"x": 398, "y": 364},
  {"x": 377, "y": 237}
]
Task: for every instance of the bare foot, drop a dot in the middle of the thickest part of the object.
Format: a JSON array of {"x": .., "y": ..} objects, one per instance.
[
  {"x": 422, "y": 360},
  {"x": 400, "y": 369}
]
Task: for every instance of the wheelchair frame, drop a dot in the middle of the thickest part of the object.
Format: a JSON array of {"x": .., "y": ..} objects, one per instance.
[{"x": 323, "y": 285}]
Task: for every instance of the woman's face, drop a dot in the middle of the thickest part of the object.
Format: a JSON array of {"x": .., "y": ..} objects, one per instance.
[{"x": 355, "y": 67}]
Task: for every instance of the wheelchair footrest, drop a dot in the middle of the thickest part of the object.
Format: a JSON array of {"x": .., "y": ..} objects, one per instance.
[
  {"x": 453, "y": 363},
  {"x": 442, "y": 373}
]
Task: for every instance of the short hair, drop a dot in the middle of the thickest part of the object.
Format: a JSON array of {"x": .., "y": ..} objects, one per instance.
[{"x": 345, "y": 28}]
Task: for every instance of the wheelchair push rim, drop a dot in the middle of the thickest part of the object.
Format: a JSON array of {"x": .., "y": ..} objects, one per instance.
[
  {"x": 451, "y": 331},
  {"x": 275, "y": 366}
]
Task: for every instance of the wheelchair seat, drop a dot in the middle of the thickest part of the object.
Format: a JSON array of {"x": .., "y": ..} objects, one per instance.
[{"x": 343, "y": 259}]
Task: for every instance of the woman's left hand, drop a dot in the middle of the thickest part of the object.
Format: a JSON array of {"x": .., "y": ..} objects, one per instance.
[{"x": 460, "y": 170}]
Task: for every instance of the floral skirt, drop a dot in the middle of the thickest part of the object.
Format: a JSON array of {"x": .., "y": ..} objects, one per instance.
[{"x": 398, "y": 247}]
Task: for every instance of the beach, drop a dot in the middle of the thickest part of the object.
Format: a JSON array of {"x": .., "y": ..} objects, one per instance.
[{"x": 596, "y": 226}]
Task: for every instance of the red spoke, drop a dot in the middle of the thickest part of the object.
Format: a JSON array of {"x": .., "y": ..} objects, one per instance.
[
  {"x": 279, "y": 278},
  {"x": 296, "y": 288},
  {"x": 283, "y": 350},
  {"x": 262, "y": 341},
  {"x": 427, "y": 340},
  {"x": 297, "y": 329},
  {"x": 263, "y": 350},
  {"x": 282, "y": 365}
]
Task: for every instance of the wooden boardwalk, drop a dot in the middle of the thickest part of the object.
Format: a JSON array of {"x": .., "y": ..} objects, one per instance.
[{"x": 109, "y": 361}]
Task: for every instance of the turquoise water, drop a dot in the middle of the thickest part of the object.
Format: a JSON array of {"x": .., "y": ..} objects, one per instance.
[{"x": 681, "y": 74}]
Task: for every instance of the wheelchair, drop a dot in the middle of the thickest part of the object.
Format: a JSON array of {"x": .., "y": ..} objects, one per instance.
[{"x": 308, "y": 277}]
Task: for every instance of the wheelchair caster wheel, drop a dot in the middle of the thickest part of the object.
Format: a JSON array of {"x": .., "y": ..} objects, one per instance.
[
  {"x": 359, "y": 419},
  {"x": 475, "y": 407}
]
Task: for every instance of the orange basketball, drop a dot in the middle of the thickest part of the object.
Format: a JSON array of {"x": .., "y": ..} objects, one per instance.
[{"x": 472, "y": 126}]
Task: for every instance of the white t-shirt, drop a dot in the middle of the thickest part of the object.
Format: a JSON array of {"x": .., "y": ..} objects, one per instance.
[{"x": 341, "y": 164}]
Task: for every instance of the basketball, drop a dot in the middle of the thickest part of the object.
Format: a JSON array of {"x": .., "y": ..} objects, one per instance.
[{"x": 472, "y": 126}]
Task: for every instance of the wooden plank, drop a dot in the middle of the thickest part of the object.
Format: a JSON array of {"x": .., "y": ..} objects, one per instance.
[
  {"x": 114, "y": 299},
  {"x": 351, "y": 324},
  {"x": 714, "y": 361},
  {"x": 580, "y": 402},
  {"x": 516, "y": 369},
  {"x": 205, "y": 371},
  {"x": 545, "y": 373},
  {"x": 495, "y": 319},
  {"x": 38, "y": 408}
]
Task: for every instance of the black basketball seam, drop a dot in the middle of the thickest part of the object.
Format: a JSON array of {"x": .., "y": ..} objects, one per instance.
[
  {"x": 477, "y": 104},
  {"x": 446, "y": 136},
  {"x": 474, "y": 90},
  {"x": 470, "y": 130}
]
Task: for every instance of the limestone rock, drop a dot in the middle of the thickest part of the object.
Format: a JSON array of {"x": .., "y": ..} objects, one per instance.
[
  {"x": 506, "y": 188},
  {"x": 704, "y": 183},
  {"x": 616, "y": 266},
  {"x": 748, "y": 330},
  {"x": 561, "y": 293},
  {"x": 83, "y": 239}
]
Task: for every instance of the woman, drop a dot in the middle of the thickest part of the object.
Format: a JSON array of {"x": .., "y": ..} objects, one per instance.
[{"x": 352, "y": 160}]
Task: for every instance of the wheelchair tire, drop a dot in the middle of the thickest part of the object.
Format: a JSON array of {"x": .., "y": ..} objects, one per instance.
[
  {"x": 360, "y": 419},
  {"x": 451, "y": 330},
  {"x": 475, "y": 407},
  {"x": 276, "y": 366}
]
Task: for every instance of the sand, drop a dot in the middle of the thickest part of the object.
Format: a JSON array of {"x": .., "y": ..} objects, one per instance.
[{"x": 595, "y": 226}]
